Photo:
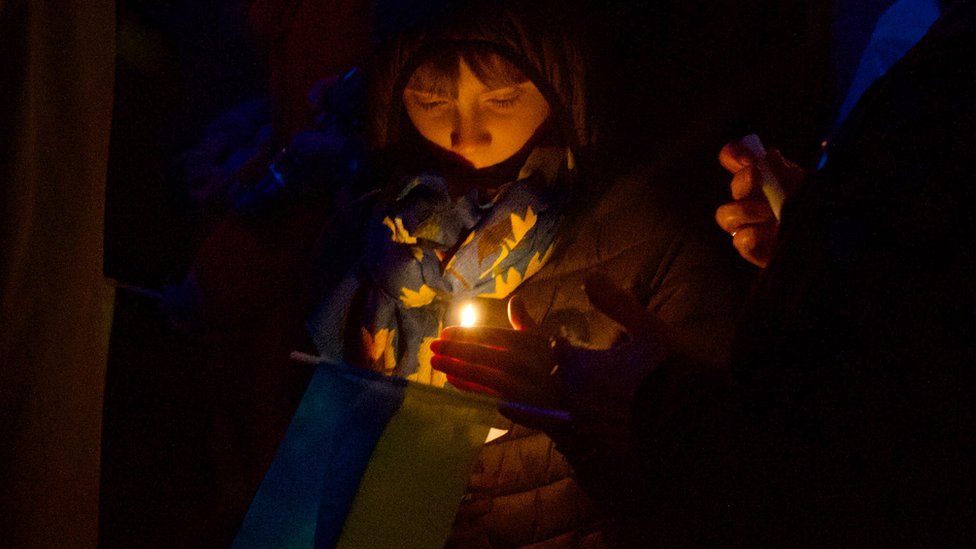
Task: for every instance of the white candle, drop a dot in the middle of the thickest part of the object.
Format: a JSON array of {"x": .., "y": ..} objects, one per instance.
[{"x": 771, "y": 186}]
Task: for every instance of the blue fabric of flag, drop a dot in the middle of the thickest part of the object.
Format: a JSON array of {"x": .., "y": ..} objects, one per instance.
[
  {"x": 897, "y": 31},
  {"x": 306, "y": 494}
]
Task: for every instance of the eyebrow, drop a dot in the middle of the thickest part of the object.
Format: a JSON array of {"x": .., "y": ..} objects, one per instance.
[
  {"x": 434, "y": 90},
  {"x": 453, "y": 91},
  {"x": 505, "y": 86}
]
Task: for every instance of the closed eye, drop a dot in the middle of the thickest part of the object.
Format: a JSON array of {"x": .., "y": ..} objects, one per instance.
[
  {"x": 504, "y": 103},
  {"x": 430, "y": 105},
  {"x": 427, "y": 101}
]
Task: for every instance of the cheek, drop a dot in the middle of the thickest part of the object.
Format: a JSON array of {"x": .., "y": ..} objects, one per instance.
[
  {"x": 515, "y": 130},
  {"x": 436, "y": 129},
  {"x": 510, "y": 133}
]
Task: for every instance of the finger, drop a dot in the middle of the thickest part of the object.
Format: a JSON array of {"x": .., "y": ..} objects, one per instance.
[
  {"x": 734, "y": 156},
  {"x": 502, "y": 338},
  {"x": 518, "y": 314},
  {"x": 746, "y": 183},
  {"x": 471, "y": 387},
  {"x": 485, "y": 376},
  {"x": 477, "y": 354},
  {"x": 755, "y": 243},
  {"x": 732, "y": 217},
  {"x": 617, "y": 303}
]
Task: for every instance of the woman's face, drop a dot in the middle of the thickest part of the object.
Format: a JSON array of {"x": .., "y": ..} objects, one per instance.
[{"x": 484, "y": 125}]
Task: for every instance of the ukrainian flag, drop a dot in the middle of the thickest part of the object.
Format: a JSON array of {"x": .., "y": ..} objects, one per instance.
[{"x": 369, "y": 461}]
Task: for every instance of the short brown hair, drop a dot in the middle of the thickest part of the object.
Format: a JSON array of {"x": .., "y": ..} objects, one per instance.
[
  {"x": 439, "y": 73},
  {"x": 535, "y": 37}
]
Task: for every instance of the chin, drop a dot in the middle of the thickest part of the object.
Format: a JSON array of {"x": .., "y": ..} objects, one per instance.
[
  {"x": 481, "y": 163},
  {"x": 477, "y": 161}
]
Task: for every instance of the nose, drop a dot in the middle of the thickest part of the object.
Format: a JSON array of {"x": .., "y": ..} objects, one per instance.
[{"x": 469, "y": 133}]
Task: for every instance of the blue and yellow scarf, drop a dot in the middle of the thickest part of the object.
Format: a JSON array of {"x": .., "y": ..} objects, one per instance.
[{"x": 392, "y": 302}]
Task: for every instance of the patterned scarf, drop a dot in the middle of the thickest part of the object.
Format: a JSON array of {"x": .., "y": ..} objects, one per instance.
[{"x": 392, "y": 302}]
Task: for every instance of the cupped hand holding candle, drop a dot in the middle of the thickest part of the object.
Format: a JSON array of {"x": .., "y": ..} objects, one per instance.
[
  {"x": 515, "y": 365},
  {"x": 520, "y": 365}
]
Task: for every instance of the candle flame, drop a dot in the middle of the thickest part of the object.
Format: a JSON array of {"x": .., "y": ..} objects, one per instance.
[{"x": 468, "y": 315}]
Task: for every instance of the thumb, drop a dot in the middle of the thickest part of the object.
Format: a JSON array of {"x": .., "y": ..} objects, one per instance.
[
  {"x": 518, "y": 315},
  {"x": 615, "y": 302},
  {"x": 625, "y": 309}
]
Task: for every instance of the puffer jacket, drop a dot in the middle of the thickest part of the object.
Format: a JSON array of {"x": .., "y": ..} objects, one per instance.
[{"x": 522, "y": 492}]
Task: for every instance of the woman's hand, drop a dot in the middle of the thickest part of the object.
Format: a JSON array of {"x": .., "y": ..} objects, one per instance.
[
  {"x": 512, "y": 364},
  {"x": 521, "y": 366},
  {"x": 601, "y": 383},
  {"x": 749, "y": 219}
]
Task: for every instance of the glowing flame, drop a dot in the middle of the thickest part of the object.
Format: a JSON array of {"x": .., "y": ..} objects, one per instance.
[{"x": 468, "y": 315}]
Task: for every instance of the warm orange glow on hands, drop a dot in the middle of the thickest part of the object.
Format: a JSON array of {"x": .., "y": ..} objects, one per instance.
[{"x": 514, "y": 364}]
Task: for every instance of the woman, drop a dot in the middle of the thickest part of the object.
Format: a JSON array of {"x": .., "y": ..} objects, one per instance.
[
  {"x": 489, "y": 188},
  {"x": 493, "y": 190}
]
